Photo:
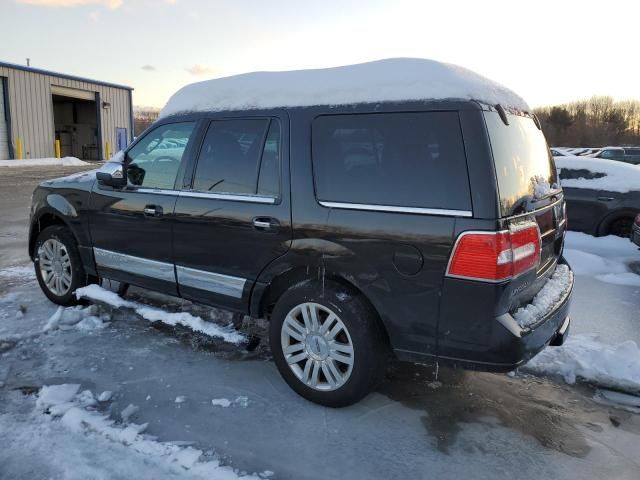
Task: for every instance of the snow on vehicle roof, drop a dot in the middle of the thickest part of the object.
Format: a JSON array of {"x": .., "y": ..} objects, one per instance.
[
  {"x": 389, "y": 80},
  {"x": 619, "y": 176}
]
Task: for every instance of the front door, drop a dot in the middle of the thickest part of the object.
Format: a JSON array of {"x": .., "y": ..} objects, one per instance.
[
  {"x": 131, "y": 226},
  {"x": 235, "y": 218}
]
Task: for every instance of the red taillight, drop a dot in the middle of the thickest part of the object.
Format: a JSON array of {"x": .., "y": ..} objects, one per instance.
[{"x": 495, "y": 256}]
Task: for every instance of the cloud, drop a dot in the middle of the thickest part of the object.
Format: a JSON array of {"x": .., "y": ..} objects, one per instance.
[
  {"x": 148, "y": 68},
  {"x": 73, "y": 3},
  {"x": 199, "y": 70}
]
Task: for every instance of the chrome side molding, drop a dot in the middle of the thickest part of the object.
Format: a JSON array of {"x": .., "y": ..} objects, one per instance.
[
  {"x": 189, "y": 277},
  {"x": 211, "y": 282},
  {"x": 392, "y": 208},
  {"x": 135, "y": 265}
]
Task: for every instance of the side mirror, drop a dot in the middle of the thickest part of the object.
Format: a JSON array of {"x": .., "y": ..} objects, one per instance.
[{"x": 112, "y": 174}]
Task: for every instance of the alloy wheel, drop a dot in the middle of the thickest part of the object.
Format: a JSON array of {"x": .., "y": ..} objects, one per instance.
[
  {"x": 55, "y": 266},
  {"x": 317, "y": 346}
]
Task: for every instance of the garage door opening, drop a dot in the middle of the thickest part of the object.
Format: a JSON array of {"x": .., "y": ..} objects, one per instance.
[
  {"x": 4, "y": 121},
  {"x": 76, "y": 124}
]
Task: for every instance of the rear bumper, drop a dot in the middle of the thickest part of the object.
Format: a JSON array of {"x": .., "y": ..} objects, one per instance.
[
  {"x": 635, "y": 234},
  {"x": 505, "y": 345}
]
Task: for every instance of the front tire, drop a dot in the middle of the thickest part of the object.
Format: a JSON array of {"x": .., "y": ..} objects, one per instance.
[
  {"x": 58, "y": 266},
  {"x": 327, "y": 343}
]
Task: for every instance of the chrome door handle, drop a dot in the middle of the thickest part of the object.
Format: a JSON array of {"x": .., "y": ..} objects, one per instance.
[
  {"x": 606, "y": 199},
  {"x": 152, "y": 210},
  {"x": 265, "y": 223},
  {"x": 261, "y": 224}
]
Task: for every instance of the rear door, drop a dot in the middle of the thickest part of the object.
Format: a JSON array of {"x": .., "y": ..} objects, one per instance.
[
  {"x": 393, "y": 185},
  {"x": 234, "y": 217}
]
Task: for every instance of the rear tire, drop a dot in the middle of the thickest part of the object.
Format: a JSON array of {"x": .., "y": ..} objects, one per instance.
[
  {"x": 327, "y": 343},
  {"x": 58, "y": 266}
]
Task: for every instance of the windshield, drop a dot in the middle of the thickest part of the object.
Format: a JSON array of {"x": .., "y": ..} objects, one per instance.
[{"x": 524, "y": 165}]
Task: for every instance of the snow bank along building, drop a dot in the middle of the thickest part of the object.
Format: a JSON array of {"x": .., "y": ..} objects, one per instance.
[{"x": 87, "y": 119}]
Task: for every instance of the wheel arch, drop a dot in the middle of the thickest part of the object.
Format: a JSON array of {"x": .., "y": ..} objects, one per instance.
[
  {"x": 46, "y": 218},
  {"x": 264, "y": 299},
  {"x": 605, "y": 223}
]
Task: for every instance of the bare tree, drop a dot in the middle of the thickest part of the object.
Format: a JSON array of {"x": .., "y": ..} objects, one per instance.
[
  {"x": 143, "y": 117},
  {"x": 596, "y": 122}
]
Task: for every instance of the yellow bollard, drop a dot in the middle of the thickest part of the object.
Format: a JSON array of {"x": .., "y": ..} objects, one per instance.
[
  {"x": 108, "y": 151},
  {"x": 57, "y": 148},
  {"x": 19, "y": 148}
]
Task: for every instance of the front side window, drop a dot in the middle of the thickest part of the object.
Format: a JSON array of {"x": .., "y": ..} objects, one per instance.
[
  {"x": 240, "y": 156},
  {"x": 391, "y": 159},
  {"x": 155, "y": 159}
]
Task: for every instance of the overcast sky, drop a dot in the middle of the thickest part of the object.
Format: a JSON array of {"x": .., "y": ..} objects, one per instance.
[{"x": 547, "y": 51}]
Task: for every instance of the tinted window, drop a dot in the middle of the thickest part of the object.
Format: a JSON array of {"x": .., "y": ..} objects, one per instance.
[
  {"x": 230, "y": 156},
  {"x": 613, "y": 154},
  {"x": 269, "y": 179},
  {"x": 396, "y": 159},
  {"x": 155, "y": 159},
  {"x": 524, "y": 165}
]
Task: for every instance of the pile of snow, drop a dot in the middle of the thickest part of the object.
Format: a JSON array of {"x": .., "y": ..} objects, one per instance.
[
  {"x": 556, "y": 288},
  {"x": 77, "y": 413},
  {"x": 389, "y": 80},
  {"x": 197, "y": 324},
  {"x": 625, "y": 401},
  {"x": 34, "y": 162},
  {"x": 86, "y": 319},
  {"x": 618, "y": 176},
  {"x": 605, "y": 258},
  {"x": 588, "y": 358},
  {"x": 241, "y": 402}
]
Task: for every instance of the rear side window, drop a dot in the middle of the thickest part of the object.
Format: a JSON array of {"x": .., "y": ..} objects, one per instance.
[
  {"x": 240, "y": 156},
  {"x": 391, "y": 159}
]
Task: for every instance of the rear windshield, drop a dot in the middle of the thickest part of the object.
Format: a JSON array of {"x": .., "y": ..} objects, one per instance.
[
  {"x": 391, "y": 159},
  {"x": 523, "y": 162}
]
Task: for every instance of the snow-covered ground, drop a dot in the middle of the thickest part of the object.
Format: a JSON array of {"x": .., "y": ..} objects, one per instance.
[
  {"x": 41, "y": 162},
  {"x": 111, "y": 391},
  {"x": 601, "y": 355}
]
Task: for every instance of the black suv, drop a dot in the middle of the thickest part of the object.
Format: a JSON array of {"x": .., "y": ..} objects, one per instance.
[{"x": 426, "y": 229}]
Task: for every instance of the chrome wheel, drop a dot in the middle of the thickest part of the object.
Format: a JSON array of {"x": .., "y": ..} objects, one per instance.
[
  {"x": 317, "y": 346},
  {"x": 55, "y": 266}
]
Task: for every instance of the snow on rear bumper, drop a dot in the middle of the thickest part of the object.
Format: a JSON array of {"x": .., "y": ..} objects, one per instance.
[{"x": 547, "y": 324}]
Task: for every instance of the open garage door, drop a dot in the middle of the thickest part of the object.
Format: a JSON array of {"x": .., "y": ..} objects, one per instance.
[
  {"x": 4, "y": 117},
  {"x": 75, "y": 115}
]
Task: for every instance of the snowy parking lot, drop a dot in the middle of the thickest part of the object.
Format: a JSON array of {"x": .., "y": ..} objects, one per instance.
[{"x": 155, "y": 387}]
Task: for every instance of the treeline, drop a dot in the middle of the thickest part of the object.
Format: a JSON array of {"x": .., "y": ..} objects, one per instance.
[
  {"x": 143, "y": 117},
  {"x": 596, "y": 122}
]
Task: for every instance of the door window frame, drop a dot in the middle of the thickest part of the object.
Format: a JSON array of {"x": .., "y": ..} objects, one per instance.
[
  {"x": 194, "y": 139},
  {"x": 186, "y": 189}
]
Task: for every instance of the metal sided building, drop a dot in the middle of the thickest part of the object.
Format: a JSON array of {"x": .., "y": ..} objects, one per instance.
[{"x": 90, "y": 119}]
